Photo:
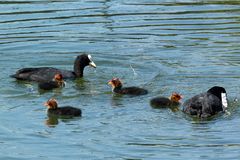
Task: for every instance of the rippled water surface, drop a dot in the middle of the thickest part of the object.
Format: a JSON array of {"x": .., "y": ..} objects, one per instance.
[{"x": 185, "y": 46}]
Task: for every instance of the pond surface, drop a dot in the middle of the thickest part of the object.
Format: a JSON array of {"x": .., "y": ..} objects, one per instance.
[{"x": 165, "y": 46}]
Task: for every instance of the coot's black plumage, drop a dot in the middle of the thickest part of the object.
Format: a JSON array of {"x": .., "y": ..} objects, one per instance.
[
  {"x": 117, "y": 88},
  {"x": 207, "y": 104},
  {"x": 173, "y": 100},
  {"x": 57, "y": 82},
  {"x": 45, "y": 74},
  {"x": 53, "y": 109}
]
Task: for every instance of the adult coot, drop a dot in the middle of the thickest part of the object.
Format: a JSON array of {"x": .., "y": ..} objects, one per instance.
[
  {"x": 45, "y": 74},
  {"x": 208, "y": 103}
]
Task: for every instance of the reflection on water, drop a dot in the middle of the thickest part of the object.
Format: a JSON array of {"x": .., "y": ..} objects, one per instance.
[
  {"x": 164, "y": 46},
  {"x": 52, "y": 121}
]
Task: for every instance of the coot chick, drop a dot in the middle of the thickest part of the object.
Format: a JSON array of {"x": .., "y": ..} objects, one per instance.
[
  {"x": 207, "y": 104},
  {"x": 53, "y": 109},
  {"x": 44, "y": 74},
  {"x": 57, "y": 82},
  {"x": 173, "y": 100},
  {"x": 117, "y": 88}
]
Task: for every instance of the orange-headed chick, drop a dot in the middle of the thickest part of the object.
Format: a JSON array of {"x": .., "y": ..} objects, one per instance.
[
  {"x": 57, "y": 82},
  {"x": 117, "y": 87},
  {"x": 53, "y": 109},
  {"x": 173, "y": 100}
]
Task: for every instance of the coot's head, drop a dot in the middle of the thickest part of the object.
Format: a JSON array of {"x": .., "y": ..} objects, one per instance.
[
  {"x": 217, "y": 91},
  {"x": 175, "y": 97},
  {"x": 81, "y": 62},
  {"x": 115, "y": 83},
  {"x": 51, "y": 104},
  {"x": 58, "y": 77},
  {"x": 221, "y": 93},
  {"x": 85, "y": 60}
]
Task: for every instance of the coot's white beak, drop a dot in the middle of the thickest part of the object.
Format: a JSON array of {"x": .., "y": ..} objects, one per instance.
[
  {"x": 224, "y": 101},
  {"x": 92, "y": 64}
]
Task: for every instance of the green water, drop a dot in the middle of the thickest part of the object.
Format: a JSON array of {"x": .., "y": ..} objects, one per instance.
[{"x": 164, "y": 46}]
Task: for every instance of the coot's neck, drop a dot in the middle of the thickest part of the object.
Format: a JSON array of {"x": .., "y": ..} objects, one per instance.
[
  {"x": 117, "y": 89},
  {"x": 79, "y": 66}
]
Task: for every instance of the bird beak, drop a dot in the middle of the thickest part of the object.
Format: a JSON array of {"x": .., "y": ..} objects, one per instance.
[
  {"x": 45, "y": 104},
  {"x": 110, "y": 83},
  {"x": 181, "y": 96},
  {"x": 92, "y": 64}
]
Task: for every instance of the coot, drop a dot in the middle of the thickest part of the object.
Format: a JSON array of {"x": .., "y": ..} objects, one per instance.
[
  {"x": 44, "y": 74},
  {"x": 208, "y": 103},
  {"x": 57, "y": 82},
  {"x": 117, "y": 88},
  {"x": 173, "y": 100},
  {"x": 53, "y": 109}
]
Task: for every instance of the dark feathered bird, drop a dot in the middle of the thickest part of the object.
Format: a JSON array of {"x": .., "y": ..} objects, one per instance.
[
  {"x": 53, "y": 109},
  {"x": 173, "y": 100},
  {"x": 45, "y": 74},
  {"x": 117, "y": 88},
  {"x": 57, "y": 82},
  {"x": 207, "y": 104}
]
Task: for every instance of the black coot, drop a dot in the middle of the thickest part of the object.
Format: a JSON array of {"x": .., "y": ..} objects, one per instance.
[
  {"x": 45, "y": 74},
  {"x": 208, "y": 103},
  {"x": 117, "y": 88},
  {"x": 53, "y": 109},
  {"x": 57, "y": 82},
  {"x": 173, "y": 100}
]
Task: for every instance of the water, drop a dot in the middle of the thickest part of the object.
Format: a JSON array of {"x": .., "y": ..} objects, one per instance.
[{"x": 164, "y": 46}]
